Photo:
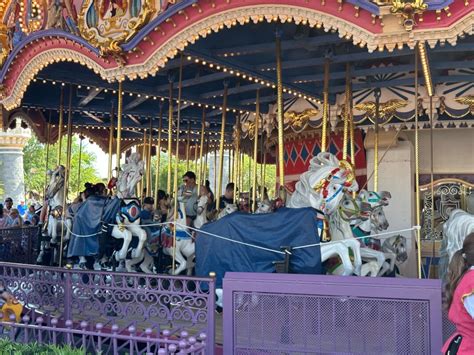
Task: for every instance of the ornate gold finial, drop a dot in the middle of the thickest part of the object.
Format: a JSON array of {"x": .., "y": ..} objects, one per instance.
[{"x": 408, "y": 10}]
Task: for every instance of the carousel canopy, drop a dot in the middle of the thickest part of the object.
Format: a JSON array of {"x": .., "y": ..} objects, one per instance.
[{"x": 232, "y": 44}]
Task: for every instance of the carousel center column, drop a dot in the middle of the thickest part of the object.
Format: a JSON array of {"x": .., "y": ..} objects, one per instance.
[{"x": 12, "y": 180}]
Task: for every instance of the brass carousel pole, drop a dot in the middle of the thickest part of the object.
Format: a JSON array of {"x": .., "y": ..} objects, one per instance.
[
  {"x": 201, "y": 167},
  {"x": 48, "y": 137},
  {"x": 196, "y": 156},
  {"x": 170, "y": 136},
  {"x": 119, "y": 125},
  {"x": 255, "y": 152},
  {"x": 148, "y": 160},
  {"x": 111, "y": 141},
  {"x": 281, "y": 162},
  {"x": 61, "y": 123},
  {"x": 78, "y": 189},
  {"x": 205, "y": 169},
  {"x": 175, "y": 185},
  {"x": 262, "y": 164},
  {"x": 158, "y": 157},
  {"x": 221, "y": 146},
  {"x": 236, "y": 159},
  {"x": 377, "y": 95},
  {"x": 141, "y": 185},
  {"x": 417, "y": 170},
  {"x": 215, "y": 169},
  {"x": 324, "y": 141},
  {"x": 188, "y": 145},
  {"x": 346, "y": 112},
  {"x": 66, "y": 174},
  {"x": 324, "y": 129}
]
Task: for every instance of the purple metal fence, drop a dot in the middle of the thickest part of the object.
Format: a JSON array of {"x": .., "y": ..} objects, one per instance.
[
  {"x": 316, "y": 314},
  {"x": 19, "y": 245},
  {"x": 112, "y": 312}
]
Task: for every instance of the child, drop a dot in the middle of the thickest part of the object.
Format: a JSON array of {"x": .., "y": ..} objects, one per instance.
[{"x": 460, "y": 299}]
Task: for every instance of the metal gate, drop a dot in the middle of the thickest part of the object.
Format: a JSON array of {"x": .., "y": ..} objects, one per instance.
[{"x": 317, "y": 314}]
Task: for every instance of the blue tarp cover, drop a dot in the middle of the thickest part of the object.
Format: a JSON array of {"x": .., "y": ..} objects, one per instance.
[{"x": 285, "y": 227}]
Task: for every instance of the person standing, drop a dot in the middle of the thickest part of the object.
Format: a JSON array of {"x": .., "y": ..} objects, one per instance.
[
  {"x": 8, "y": 205},
  {"x": 188, "y": 193},
  {"x": 460, "y": 300}
]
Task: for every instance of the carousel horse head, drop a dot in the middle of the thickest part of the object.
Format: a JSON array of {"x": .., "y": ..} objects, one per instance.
[
  {"x": 398, "y": 245},
  {"x": 323, "y": 185},
  {"x": 129, "y": 176},
  {"x": 202, "y": 204},
  {"x": 264, "y": 206},
  {"x": 377, "y": 200},
  {"x": 351, "y": 211},
  {"x": 228, "y": 209},
  {"x": 56, "y": 181}
]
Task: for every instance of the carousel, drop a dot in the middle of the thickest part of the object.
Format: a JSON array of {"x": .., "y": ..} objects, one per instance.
[{"x": 364, "y": 107}]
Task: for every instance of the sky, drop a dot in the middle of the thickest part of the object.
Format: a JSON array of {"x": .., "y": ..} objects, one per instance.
[{"x": 102, "y": 159}]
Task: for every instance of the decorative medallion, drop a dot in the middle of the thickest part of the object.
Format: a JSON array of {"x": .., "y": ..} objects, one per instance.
[{"x": 107, "y": 24}]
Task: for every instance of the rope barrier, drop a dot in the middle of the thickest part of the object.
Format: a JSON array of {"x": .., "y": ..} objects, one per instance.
[{"x": 184, "y": 227}]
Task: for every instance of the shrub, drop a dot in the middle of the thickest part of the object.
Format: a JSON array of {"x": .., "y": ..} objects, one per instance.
[{"x": 9, "y": 347}]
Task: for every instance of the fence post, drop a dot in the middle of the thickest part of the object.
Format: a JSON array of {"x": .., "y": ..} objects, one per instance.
[
  {"x": 211, "y": 307},
  {"x": 67, "y": 294}
]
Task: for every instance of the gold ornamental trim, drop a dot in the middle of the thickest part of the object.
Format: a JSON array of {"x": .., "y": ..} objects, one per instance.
[{"x": 228, "y": 19}]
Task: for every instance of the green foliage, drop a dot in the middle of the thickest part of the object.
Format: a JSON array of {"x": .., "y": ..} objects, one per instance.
[
  {"x": 8, "y": 347},
  {"x": 34, "y": 163}
]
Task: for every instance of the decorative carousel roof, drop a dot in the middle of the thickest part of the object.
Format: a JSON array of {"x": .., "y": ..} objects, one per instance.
[{"x": 83, "y": 47}]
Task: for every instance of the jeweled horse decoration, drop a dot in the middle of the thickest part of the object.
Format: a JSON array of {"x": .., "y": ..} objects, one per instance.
[
  {"x": 55, "y": 202},
  {"x": 184, "y": 249},
  {"x": 322, "y": 187},
  {"x": 458, "y": 226}
]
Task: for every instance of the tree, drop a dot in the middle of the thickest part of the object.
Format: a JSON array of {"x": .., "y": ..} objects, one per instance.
[{"x": 34, "y": 165}]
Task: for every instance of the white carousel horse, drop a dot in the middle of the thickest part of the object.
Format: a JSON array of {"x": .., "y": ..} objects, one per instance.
[
  {"x": 228, "y": 209},
  {"x": 55, "y": 198},
  {"x": 184, "y": 250},
  {"x": 458, "y": 226},
  {"x": 395, "y": 248},
  {"x": 322, "y": 187},
  {"x": 201, "y": 218},
  {"x": 340, "y": 229},
  {"x": 128, "y": 218},
  {"x": 375, "y": 224}
]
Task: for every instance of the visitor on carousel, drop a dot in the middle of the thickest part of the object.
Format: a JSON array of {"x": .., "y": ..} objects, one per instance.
[
  {"x": 161, "y": 214},
  {"x": 228, "y": 197},
  {"x": 460, "y": 299},
  {"x": 22, "y": 208},
  {"x": 3, "y": 218},
  {"x": 148, "y": 210},
  {"x": 188, "y": 193},
  {"x": 14, "y": 219},
  {"x": 30, "y": 217},
  {"x": 206, "y": 191},
  {"x": 7, "y": 206}
]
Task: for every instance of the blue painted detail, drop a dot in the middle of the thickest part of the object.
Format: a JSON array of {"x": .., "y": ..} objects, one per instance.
[
  {"x": 294, "y": 155},
  {"x": 304, "y": 153},
  {"x": 316, "y": 150}
]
